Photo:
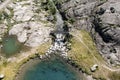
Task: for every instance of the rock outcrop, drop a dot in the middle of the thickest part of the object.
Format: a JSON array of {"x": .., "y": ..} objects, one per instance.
[
  {"x": 29, "y": 23},
  {"x": 31, "y": 33},
  {"x": 101, "y": 18},
  {"x": 107, "y": 24}
]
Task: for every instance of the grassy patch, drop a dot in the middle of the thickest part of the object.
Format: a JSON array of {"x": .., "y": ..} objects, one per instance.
[
  {"x": 114, "y": 76},
  {"x": 84, "y": 53},
  {"x": 44, "y": 47},
  {"x": 10, "y": 69}
]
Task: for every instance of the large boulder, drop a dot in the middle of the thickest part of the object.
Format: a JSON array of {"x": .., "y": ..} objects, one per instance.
[{"x": 107, "y": 24}]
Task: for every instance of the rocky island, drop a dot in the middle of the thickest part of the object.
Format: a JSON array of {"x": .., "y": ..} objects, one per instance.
[{"x": 60, "y": 39}]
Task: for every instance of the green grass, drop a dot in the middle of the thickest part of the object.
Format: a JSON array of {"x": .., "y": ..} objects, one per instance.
[{"x": 85, "y": 54}]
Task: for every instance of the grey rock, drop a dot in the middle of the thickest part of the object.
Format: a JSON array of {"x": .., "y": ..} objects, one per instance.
[
  {"x": 94, "y": 68},
  {"x": 108, "y": 26},
  {"x": 101, "y": 19},
  {"x": 84, "y": 9}
]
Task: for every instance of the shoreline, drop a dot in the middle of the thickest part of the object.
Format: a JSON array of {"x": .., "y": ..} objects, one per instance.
[
  {"x": 13, "y": 63},
  {"x": 23, "y": 68},
  {"x": 36, "y": 60}
]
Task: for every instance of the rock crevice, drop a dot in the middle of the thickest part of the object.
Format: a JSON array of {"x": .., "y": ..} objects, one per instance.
[{"x": 101, "y": 19}]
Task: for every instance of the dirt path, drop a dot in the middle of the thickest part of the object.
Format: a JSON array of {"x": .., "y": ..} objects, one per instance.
[
  {"x": 111, "y": 69},
  {"x": 79, "y": 37}
]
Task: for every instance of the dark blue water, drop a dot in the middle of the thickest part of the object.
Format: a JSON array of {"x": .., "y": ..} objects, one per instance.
[{"x": 50, "y": 70}]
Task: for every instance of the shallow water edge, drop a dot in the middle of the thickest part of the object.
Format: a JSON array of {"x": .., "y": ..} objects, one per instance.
[{"x": 28, "y": 67}]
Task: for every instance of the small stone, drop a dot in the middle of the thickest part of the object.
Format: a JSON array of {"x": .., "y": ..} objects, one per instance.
[
  {"x": 2, "y": 76},
  {"x": 41, "y": 56},
  {"x": 94, "y": 67}
]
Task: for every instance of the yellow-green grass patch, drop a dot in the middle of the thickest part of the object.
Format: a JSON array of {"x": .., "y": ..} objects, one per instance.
[
  {"x": 85, "y": 54},
  {"x": 10, "y": 69}
]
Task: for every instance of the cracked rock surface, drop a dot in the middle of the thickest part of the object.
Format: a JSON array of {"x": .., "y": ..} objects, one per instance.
[
  {"x": 27, "y": 21},
  {"x": 101, "y": 19}
]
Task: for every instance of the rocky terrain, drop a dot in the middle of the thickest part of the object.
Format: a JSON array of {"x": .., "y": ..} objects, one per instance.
[
  {"x": 101, "y": 19},
  {"x": 107, "y": 24},
  {"x": 27, "y": 21},
  {"x": 82, "y": 31}
]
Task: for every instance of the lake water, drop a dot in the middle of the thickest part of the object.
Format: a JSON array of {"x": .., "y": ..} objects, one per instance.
[
  {"x": 10, "y": 46},
  {"x": 53, "y": 69}
]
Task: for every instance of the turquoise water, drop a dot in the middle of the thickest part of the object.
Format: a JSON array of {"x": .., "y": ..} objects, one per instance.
[
  {"x": 49, "y": 70},
  {"x": 10, "y": 45}
]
